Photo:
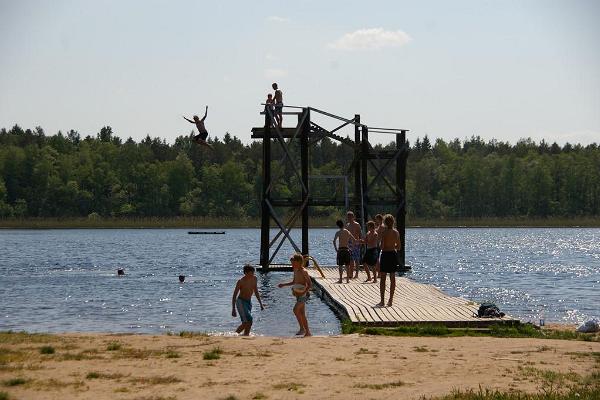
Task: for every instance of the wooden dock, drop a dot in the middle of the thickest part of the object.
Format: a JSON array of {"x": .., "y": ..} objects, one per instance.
[{"x": 414, "y": 303}]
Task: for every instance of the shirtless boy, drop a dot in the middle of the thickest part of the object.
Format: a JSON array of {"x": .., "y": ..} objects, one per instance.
[
  {"x": 242, "y": 299},
  {"x": 370, "y": 258},
  {"x": 344, "y": 237},
  {"x": 278, "y": 105},
  {"x": 390, "y": 244},
  {"x": 300, "y": 278},
  {"x": 354, "y": 228},
  {"x": 200, "y": 138},
  {"x": 379, "y": 228}
]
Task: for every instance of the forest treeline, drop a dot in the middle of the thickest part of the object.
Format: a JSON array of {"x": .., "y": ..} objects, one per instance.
[{"x": 67, "y": 175}]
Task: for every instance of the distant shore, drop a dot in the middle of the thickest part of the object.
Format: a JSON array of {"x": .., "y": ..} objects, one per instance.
[
  {"x": 194, "y": 366},
  {"x": 230, "y": 223}
]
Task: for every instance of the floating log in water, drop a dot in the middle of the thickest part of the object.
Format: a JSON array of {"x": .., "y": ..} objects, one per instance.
[{"x": 206, "y": 233}]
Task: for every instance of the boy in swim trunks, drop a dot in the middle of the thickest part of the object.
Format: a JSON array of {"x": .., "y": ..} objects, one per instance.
[
  {"x": 278, "y": 97},
  {"x": 245, "y": 287},
  {"x": 355, "y": 248},
  {"x": 200, "y": 138},
  {"x": 300, "y": 278},
  {"x": 344, "y": 237},
  {"x": 370, "y": 258},
  {"x": 379, "y": 228},
  {"x": 390, "y": 244}
]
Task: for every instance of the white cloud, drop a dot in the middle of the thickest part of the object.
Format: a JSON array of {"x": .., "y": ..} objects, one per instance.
[
  {"x": 372, "y": 38},
  {"x": 274, "y": 73},
  {"x": 275, "y": 18}
]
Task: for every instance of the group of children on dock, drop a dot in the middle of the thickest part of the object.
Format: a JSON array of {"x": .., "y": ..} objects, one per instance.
[{"x": 382, "y": 242}]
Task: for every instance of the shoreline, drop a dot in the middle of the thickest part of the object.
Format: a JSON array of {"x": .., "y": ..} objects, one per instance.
[
  {"x": 191, "y": 366},
  {"x": 226, "y": 223}
]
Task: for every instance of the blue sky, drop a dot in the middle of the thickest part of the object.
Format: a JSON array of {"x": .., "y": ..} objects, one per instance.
[{"x": 499, "y": 69}]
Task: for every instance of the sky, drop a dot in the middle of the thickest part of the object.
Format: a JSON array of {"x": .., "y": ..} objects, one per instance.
[{"x": 502, "y": 70}]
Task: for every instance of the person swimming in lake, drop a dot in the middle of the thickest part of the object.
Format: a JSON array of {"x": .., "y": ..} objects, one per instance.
[
  {"x": 242, "y": 299},
  {"x": 200, "y": 138},
  {"x": 301, "y": 279}
]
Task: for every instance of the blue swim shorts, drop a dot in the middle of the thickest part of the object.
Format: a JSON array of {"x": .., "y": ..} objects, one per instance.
[
  {"x": 244, "y": 308},
  {"x": 355, "y": 250}
]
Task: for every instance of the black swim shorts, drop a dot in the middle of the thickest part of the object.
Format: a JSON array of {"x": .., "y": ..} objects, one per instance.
[
  {"x": 343, "y": 256},
  {"x": 201, "y": 136},
  {"x": 388, "y": 262},
  {"x": 370, "y": 257}
]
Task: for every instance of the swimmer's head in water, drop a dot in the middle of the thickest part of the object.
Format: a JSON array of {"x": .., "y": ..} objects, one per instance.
[{"x": 274, "y": 85}]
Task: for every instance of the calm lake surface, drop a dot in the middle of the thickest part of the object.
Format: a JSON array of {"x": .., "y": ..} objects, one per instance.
[{"x": 65, "y": 280}]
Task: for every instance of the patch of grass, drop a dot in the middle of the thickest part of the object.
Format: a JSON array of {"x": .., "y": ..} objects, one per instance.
[
  {"x": 259, "y": 396},
  {"x": 55, "y": 384},
  {"x": 230, "y": 397},
  {"x": 47, "y": 350},
  {"x": 122, "y": 389},
  {"x": 503, "y": 331},
  {"x": 4, "y": 396},
  {"x": 362, "y": 350},
  {"x": 15, "y": 382},
  {"x": 100, "y": 375},
  {"x": 156, "y": 398},
  {"x": 113, "y": 346},
  {"x": 340, "y": 359},
  {"x": 292, "y": 387},
  {"x": 573, "y": 393},
  {"x": 378, "y": 386},
  {"x": 82, "y": 355},
  {"x": 191, "y": 334},
  {"x": 421, "y": 349},
  {"x": 213, "y": 354},
  {"x": 172, "y": 354},
  {"x": 7, "y": 356},
  {"x": 10, "y": 337},
  {"x": 155, "y": 380}
]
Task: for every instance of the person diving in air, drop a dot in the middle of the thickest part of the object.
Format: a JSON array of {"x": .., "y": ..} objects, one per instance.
[{"x": 200, "y": 138}]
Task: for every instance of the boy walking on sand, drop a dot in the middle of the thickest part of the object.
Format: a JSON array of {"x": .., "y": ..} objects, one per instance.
[
  {"x": 370, "y": 258},
  {"x": 301, "y": 278},
  {"x": 344, "y": 237},
  {"x": 242, "y": 299}
]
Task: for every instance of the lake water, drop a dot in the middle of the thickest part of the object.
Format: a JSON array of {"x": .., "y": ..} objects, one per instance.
[{"x": 65, "y": 280}]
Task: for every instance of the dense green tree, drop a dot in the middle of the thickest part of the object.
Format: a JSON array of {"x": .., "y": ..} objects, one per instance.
[{"x": 100, "y": 175}]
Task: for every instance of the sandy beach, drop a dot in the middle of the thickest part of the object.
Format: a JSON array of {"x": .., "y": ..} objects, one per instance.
[{"x": 104, "y": 366}]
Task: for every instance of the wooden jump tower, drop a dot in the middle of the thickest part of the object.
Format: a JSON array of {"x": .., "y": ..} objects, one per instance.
[{"x": 379, "y": 176}]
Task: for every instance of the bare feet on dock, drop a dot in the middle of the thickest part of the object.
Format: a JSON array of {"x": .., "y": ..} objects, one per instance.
[
  {"x": 389, "y": 304},
  {"x": 340, "y": 281},
  {"x": 380, "y": 304}
]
